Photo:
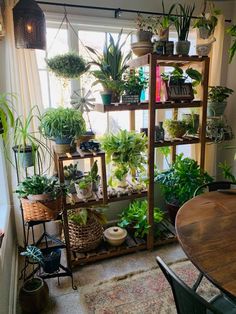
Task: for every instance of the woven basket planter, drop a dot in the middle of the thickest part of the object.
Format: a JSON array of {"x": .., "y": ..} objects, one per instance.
[
  {"x": 35, "y": 211},
  {"x": 85, "y": 238}
]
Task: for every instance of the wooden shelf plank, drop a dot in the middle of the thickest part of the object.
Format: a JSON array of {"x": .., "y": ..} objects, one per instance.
[
  {"x": 132, "y": 244},
  {"x": 144, "y": 106},
  {"x": 165, "y": 60},
  {"x": 79, "y": 155},
  {"x": 174, "y": 142}
]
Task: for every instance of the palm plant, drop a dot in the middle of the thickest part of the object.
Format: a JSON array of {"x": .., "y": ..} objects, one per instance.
[
  {"x": 183, "y": 20},
  {"x": 112, "y": 63}
]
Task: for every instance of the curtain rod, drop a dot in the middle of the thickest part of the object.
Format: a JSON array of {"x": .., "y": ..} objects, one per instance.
[{"x": 117, "y": 11}]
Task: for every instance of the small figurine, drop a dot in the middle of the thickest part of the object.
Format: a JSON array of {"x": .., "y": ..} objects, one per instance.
[{"x": 90, "y": 145}]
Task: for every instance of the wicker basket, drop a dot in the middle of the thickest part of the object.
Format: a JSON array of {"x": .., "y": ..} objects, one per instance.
[
  {"x": 35, "y": 211},
  {"x": 85, "y": 238}
]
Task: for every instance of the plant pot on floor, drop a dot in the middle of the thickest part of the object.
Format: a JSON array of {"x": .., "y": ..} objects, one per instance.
[
  {"x": 172, "y": 211},
  {"x": 51, "y": 261},
  {"x": 33, "y": 296},
  {"x": 25, "y": 156},
  {"x": 182, "y": 47},
  {"x": 216, "y": 109}
]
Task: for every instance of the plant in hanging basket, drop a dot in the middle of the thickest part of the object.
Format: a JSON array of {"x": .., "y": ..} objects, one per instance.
[
  {"x": 206, "y": 23},
  {"x": 134, "y": 218},
  {"x": 68, "y": 66},
  {"x": 85, "y": 229},
  {"x": 41, "y": 197}
]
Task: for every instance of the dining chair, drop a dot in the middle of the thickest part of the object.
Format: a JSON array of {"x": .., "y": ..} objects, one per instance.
[
  {"x": 187, "y": 301},
  {"x": 210, "y": 187}
]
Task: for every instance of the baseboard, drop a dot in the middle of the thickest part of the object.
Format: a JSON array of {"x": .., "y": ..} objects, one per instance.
[{"x": 13, "y": 282}]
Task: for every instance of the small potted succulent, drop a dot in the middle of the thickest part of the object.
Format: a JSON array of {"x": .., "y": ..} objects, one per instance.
[
  {"x": 217, "y": 96},
  {"x": 67, "y": 66},
  {"x": 134, "y": 218},
  {"x": 34, "y": 294},
  {"x": 41, "y": 197},
  {"x": 84, "y": 187},
  {"x": 179, "y": 183},
  {"x": 63, "y": 125},
  {"x": 71, "y": 173},
  {"x": 182, "y": 24},
  {"x": 175, "y": 128},
  {"x": 126, "y": 151},
  {"x": 134, "y": 84},
  {"x": 192, "y": 121},
  {"x": 95, "y": 177},
  {"x": 112, "y": 64}
]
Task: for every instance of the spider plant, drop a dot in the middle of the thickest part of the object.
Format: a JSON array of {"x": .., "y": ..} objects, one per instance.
[
  {"x": 183, "y": 20},
  {"x": 28, "y": 145},
  {"x": 111, "y": 64},
  {"x": 6, "y": 115}
]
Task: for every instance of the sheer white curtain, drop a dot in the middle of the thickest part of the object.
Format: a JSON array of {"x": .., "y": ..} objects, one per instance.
[
  {"x": 214, "y": 79},
  {"x": 22, "y": 79}
]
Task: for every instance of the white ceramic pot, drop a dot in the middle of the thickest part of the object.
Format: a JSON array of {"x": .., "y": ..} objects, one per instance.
[
  {"x": 84, "y": 193},
  {"x": 115, "y": 235}
]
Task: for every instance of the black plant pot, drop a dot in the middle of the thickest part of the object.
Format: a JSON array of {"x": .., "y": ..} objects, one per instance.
[
  {"x": 51, "y": 261},
  {"x": 172, "y": 211}
]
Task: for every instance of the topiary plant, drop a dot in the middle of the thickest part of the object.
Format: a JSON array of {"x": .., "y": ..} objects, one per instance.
[{"x": 68, "y": 66}]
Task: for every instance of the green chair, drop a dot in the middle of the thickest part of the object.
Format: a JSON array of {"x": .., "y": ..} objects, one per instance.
[
  {"x": 210, "y": 187},
  {"x": 187, "y": 301}
]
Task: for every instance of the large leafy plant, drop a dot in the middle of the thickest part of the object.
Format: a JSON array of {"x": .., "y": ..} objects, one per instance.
[
  {"x": 112, "y": 64},
  {"x": 180, "y": 181},
  {"x": 81, "y": 216},
  {"x": 183, "y": 20},
  {"x": 62, "y": 122},
  {"x": 6, "y": 114},
  {"x": 126, "y": 151},
  {"x": 135, "y": 216},
  {"x": 134, "y": 83},
  {"x": 37, "y": 184},
  {"x": 219, "y": 93},
  {"x": 177, "y": 76},
  {"x": 69, "y": 65}
]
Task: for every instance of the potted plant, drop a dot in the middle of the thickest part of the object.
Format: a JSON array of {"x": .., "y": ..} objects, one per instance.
[
  {"x": 175, "y": 128},
  {"x": 144, "y": 30},
  {"x": 217, "y": 96},
  {"x": 206, "y": 23},
  {"x": 34, "y": 293},
  {"x": 126, "y": 152},
  {"x": 95, "y": 177},
  {"x": 6, "y": 114},
  {"x": 232, "y": 31},
  {"x": 112, "y": 64},
  {"x": 192, "y": 122},
  {"x": 134, "y": 218},
  {"x": 218, "y": 130},
  {"x": 133, "y": 86},
  {"x": 68, "y": 66},
  {"x": 182, "y": 25},
  {"x": 41, "y": 197},
  {"x": 71, "y": 173},
  {"x": 179, "y": 183},
  {"x": 27, "y": 144},
  {"x": 85, "y": 229},
  {"x": 84, "y": 187},
  {"x": 63, "y": 125}
]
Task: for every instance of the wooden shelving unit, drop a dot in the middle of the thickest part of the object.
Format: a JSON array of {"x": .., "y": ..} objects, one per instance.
[{"x": 133, "y": 244}]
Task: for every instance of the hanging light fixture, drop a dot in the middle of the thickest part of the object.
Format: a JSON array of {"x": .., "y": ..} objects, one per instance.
[{"x": 29, "y": 25}]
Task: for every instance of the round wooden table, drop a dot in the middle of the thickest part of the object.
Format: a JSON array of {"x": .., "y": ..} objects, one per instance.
[{"x": 206, "y": 229}]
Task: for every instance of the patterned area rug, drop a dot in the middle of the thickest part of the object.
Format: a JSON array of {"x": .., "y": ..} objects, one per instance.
[{"x": 145, "y": 292}]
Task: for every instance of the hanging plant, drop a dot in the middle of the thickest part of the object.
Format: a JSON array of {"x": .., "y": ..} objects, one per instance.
[{"x": 68, "y": 66}]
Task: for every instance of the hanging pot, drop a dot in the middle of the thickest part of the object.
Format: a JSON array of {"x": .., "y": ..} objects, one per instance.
[
  {"x": 204, "y": 33},
  {"x": 182, "y": 47},
  {"x": 141, "y": 36},
  {"x": 215, "y": 109},
  {"x": 33, "y": 296},
  {"x": 25, "y": 156}
]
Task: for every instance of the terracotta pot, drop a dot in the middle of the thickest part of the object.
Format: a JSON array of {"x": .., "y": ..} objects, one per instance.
[
  {"x": 33, "y": 296},
  {"x": 172, "y": 211}
]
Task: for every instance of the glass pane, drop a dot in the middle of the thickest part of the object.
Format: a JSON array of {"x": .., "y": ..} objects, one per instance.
[{"x": 44, "y": 87}]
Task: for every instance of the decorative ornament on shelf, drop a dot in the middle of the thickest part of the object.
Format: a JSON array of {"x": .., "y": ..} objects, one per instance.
[
  {"x": 29, "y": 25},
  {"x": 82, "y": 100}
]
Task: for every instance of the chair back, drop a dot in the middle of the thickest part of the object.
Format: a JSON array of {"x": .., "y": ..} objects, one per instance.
[
  {"x": 187, "y": 301},
  {"x": 214, "y": 186}
]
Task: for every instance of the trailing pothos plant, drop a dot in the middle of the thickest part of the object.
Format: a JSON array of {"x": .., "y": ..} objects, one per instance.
[
  {"x": 126, "y": 150},
  {"x": 135, "y": 216},
  {"x": 180, "y": 181}
]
